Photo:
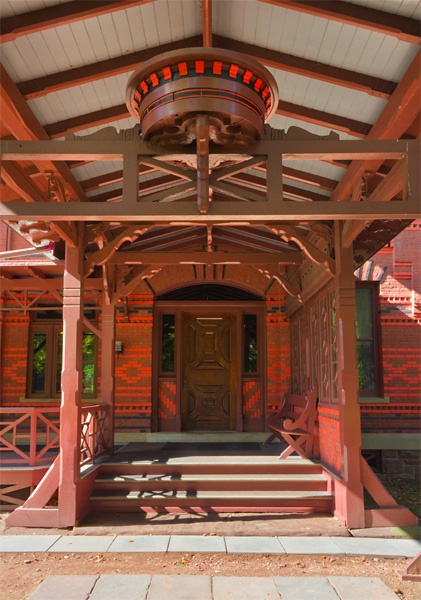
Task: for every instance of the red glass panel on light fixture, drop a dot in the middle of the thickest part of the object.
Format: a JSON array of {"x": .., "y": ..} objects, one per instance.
[
  {"x": 167, "y": 73},
  {"x": 265, "y": 92},
  {"x": 182, "y": 68},
  {"x": 217, "y": 67},
  {"x": 233, "y": 71},
  {"x": 200, "y": 66},
  {"x": 257, "y": 84},
  {"x": 137, "y": 96},
  {"x": 144, "y": 87},
  {"x": 247, "y": 76},
  {"x": 154, "y": 79}
]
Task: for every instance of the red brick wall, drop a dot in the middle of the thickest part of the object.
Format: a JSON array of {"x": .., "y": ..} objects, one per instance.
[{"x": 13, "y": 358}]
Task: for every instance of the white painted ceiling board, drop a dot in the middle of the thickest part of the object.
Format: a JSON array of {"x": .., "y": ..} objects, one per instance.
[
  {"x": 8, "y": 8},
  {"x": 405, "y": 8}
]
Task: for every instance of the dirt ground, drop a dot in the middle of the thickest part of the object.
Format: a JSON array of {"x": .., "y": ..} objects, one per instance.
[{"x": 21, "y": 573}]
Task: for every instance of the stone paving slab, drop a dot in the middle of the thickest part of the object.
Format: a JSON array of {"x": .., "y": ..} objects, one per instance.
[
  {"x": 180, "y": 587},
  {"x": 126, "y": 587},
  {"x": 409, "y": 547},
  {"x": 253, "y": 545},
  {"x": 306, "y": 588},
  {"x": 310, "y": 545},
  {"x": 82, "y": 543},
  {"x": 368, "y": 546},
  {"x": 65, "y": 587},
  {"x": 196, "y": 543},
  {"x": 27, "y": 543},
  {"x": 361, "y": 588},
  {"x": 244, "y": 588},
  {"x": 140, "y": 543}
]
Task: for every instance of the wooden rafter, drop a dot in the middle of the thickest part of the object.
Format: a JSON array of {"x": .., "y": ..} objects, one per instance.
[
  {"x": 192, "y": 258},
  {"x": 207, "y": 22},
  {"x": 23, "y": 125},
  {"x": 60, "y": 14},
  {"x": 403, "y": 28},
  {"x": 95, "y": 183},
  {"x": 361, "y": 82}
]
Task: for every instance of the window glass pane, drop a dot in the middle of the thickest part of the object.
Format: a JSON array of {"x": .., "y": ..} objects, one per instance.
[
  {"x": 365, "y": 359},
  {"x": 88, "y": 378},
  {"x": 88, "y": 349},
  {"x": 168, "y": 343},
  {"x": 39, "y": 353},
  {"x": 48, "y": 313},
  {"x": 59, "y": 361},
  {"x": 364, "y": 313},
  {"x": 250, "y": 344}
]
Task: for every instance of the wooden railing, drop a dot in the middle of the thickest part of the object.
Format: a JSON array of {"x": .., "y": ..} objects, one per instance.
[
  {"x": 29, "y": 427},
  {"x": 93, "y": 444}
]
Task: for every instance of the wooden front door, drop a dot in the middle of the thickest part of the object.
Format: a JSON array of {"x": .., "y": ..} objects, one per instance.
[{"x": 209, "y": 372}]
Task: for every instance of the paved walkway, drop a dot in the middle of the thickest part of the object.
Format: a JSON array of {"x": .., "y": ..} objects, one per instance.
[
  {"x": 205, "y": 587},
  {"x": 347, "y": 546}
]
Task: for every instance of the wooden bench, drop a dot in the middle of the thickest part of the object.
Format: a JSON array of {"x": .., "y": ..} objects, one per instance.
[{"x": 294, "y": 423}]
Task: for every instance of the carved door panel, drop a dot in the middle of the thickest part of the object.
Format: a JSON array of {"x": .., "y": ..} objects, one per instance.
[{"x": 209, "y": 372}]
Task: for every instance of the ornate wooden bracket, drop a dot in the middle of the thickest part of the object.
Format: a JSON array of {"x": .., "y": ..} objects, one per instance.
[
  {"x": 138, "y": 273},
  {"x": 317, "y": 256},
  {"x": 101, "y": 256},
  {"x": 290, "y": 288}
]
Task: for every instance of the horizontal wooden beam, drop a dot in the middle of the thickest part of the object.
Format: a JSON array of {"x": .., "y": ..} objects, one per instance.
[
  {"x": 323, "y": 183},
  {"x": 323, "y": 119},
  {"x": 220, "y": 212},
  {"x": 204, "y": 258},
  {"x": 94, "y": 119},
  {"x": 361, "y": 82},
  {"x": 290, "y": 150},
  {"x": 401, "y": 27},
  {"x": 95, "y": 183},
  {"x": 30, "y": 283},
  {"x": 41, "y": 86},
  {"x": 60, "y": 14}
]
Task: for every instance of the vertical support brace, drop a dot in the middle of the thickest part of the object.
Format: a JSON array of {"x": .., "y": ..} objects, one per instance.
[
  {"x": 130, "y": 179},
  {"x": 108, "y": 371},
  {"x": 202, "y": 140},
  {"x": 71, "y": 384},
  {"x": 348, "y": 493},
  {"x": 274, "y": 178}
]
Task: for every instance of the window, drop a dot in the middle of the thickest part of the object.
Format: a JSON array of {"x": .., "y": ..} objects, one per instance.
[
  {"x": 250, "y": 343},
  {"x": 45, "y": 362},
  {"x": 168, "y": 344},
  {"x": 367, "y": 351}
]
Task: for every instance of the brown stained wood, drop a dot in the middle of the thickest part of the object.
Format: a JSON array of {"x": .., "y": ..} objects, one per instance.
[
  {"x": 324, "y": 119},
  {"x": 373, "y": 86},
  {"x": 60, "y": 14},
  {"x": 209, "y": 372},
  {"x": 207, "y": 22},
  {"x": 324, "y": 183},
  {"x": 23, "y": 125},
  {"x": 317, "y": 256},
  {"x": 403, "y": 28},
  {"x": 94, "y": 183},
  {"x": 93, "y": 119},
  {"x": 191, "y": 258},
  {"x": 40, "y": 86}
]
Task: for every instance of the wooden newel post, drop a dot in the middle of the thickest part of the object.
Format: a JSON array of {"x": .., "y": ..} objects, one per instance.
[
  {"x": 71, "y": 385},
  {"x": 107, "y": 371},
  {"x": 349, "y": 492}
]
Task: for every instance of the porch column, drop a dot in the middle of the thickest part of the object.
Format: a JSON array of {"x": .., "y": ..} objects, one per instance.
[
  {"x": 71, "y": 386},
  {"x": 108, "y": 371},
  {"x": 349, "y": 493}
]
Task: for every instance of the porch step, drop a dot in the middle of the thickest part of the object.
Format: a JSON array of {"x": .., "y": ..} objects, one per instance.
[
  {"x": 132, "y": 501},
  {"x": 212, "y": 481}
]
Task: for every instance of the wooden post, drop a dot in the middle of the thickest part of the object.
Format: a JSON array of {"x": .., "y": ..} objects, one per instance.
[
  {"x": 71, "y": 385},
  {"x": 108, "y": 371},
  {"x": 349, "y": 497}
]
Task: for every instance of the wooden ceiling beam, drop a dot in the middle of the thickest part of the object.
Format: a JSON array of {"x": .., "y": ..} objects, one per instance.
[
  {"x": 323, "y": 183},
  {"x": 60, "y": 14},
  {"x": 288, "y": 109},
  {"x": 403, "y": 28},
  {"x": 289, "y": 190},
  {"x": 23, "y": 125},
  {"x": 198, "y": 258},
  {"x": 207, "y": 23},
  {"x": 323, "y": 119},
  {"x": 374, "y": 86},
  {"x": 95, "y": 183},
  {"x": 41, "y": 86}
]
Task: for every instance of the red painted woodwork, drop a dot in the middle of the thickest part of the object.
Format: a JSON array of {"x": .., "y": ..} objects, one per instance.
[{"x": 209, "y": 372}]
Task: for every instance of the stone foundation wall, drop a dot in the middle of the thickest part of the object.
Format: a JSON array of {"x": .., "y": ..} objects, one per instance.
[{"x": 401, "y": 464}]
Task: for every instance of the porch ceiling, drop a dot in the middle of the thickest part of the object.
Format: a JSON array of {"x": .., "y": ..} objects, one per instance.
[{"x": 349, "y": 67}]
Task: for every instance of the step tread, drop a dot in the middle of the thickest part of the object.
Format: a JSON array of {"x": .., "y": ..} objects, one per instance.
[
  {"x": 214, "y": 460},
  {"x": 281, "y": 495},
  {"x": 143, "y": 478}
]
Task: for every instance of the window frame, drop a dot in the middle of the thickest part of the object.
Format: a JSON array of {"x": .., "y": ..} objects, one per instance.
[
  {"x": 53, "y": 330},
  {"x": 374, "y": 305}
]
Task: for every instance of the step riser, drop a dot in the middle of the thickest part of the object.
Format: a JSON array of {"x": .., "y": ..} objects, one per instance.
[
  {"x": 305, "y": 506},
  {"x": 165, "y": 486},
  {"x": 210, "y": 469}
]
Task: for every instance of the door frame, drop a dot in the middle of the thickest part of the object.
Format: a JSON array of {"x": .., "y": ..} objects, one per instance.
[{"x": 177, "y": 308}]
